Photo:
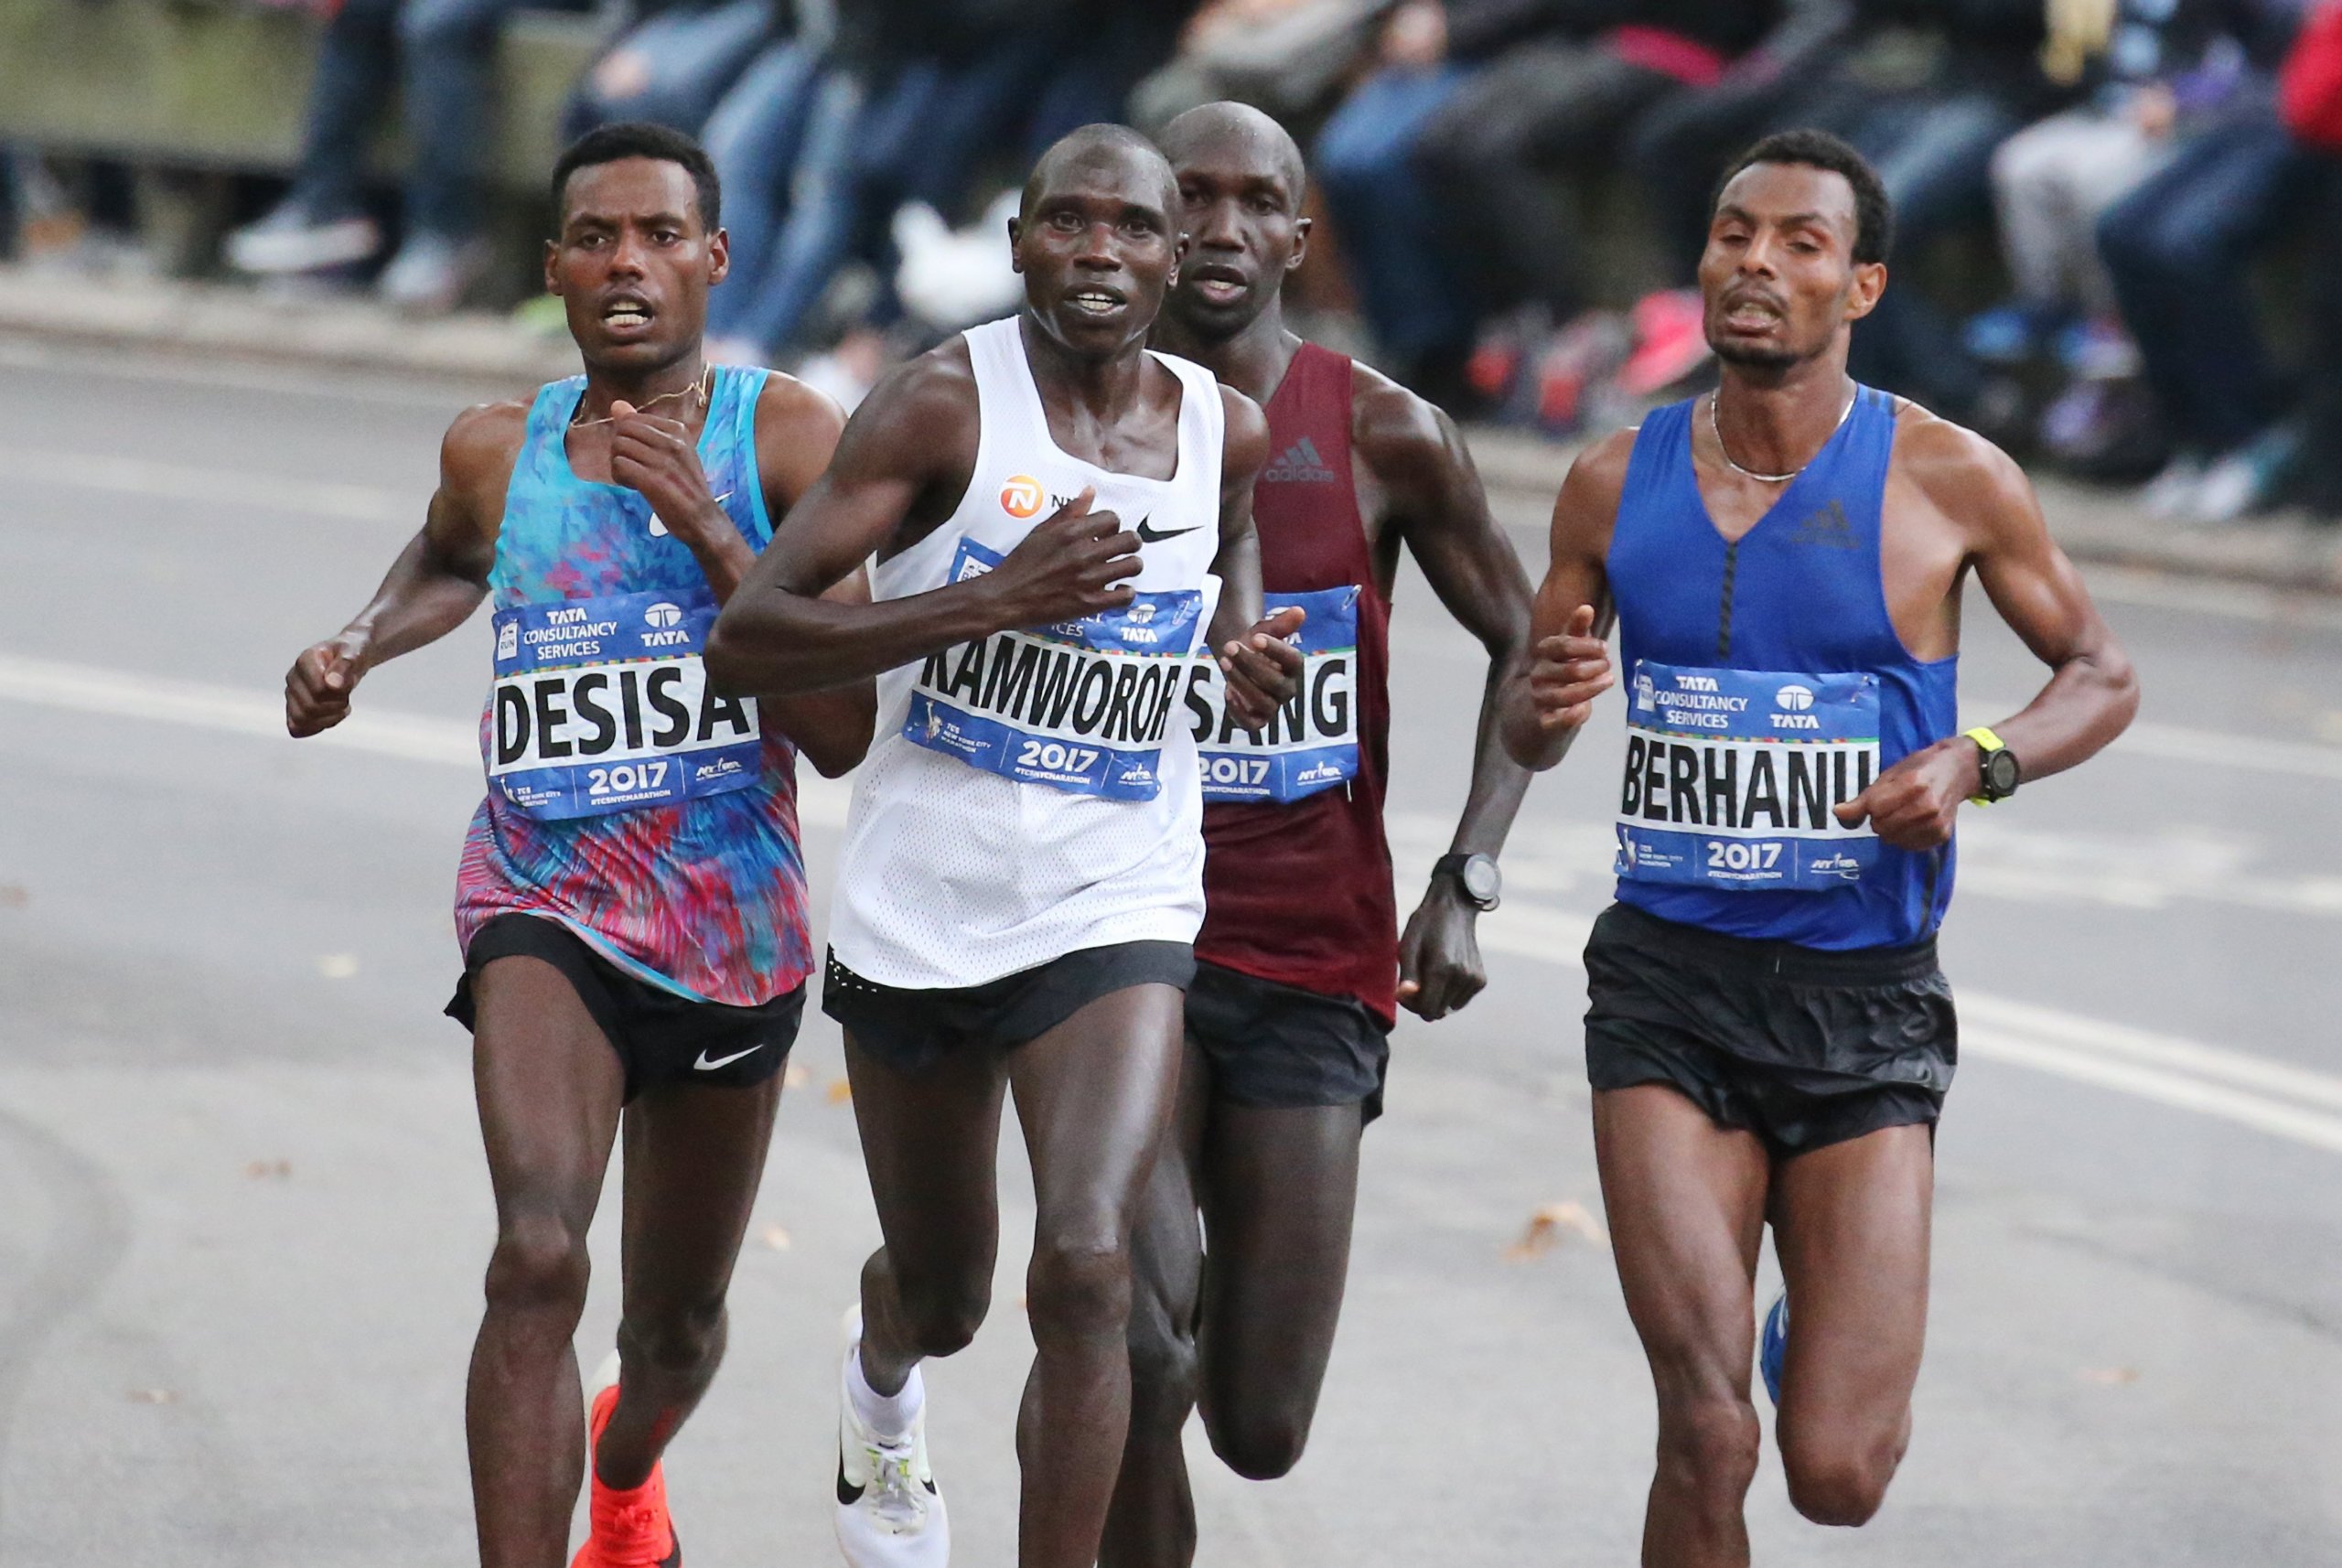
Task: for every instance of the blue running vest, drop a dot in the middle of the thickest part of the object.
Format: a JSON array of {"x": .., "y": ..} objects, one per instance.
[{"x": 1766, "y": 682}]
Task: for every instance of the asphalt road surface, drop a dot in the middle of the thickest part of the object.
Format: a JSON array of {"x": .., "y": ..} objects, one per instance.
[{"x": 247, "y": 1213}]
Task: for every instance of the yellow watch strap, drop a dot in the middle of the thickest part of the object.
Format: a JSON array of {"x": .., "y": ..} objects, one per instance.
[{"x": 1991, "y": 743}]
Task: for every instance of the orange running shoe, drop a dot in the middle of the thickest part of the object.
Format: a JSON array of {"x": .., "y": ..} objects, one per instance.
[{"x": 628, "y": 1529}]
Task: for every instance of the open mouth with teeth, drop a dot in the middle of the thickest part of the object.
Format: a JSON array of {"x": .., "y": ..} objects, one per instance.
[
  {"x": 1751, "y": 315},
  {"x": 626, "y": 315},
  {"x": 1219, "y": 284},
  {"x": 1095, "y": 300}
]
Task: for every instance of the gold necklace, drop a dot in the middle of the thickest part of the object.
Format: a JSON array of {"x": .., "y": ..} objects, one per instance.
[
  {"x": 1716, "y": 423},
  {"x": 698, "y": 391}
]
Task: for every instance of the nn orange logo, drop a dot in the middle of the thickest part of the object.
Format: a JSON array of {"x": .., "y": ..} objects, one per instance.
[{"x": 1022, "y": 496}]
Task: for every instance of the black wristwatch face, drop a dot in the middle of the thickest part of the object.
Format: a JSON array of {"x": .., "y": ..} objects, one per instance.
[{"x": 2001, "y": 773}]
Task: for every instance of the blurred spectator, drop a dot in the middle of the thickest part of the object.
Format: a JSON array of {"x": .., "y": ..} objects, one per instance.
[
  {"x": 2312, "y": 104},
  {"x": 1405, "y": 270},
  {"x": 1285, "y": 58},
  {"x": 675, "y": 60},
  {"x": 2161, "y": 72},
  {"x": 1680, "y": 147},
  {"x": 2179, "y": 248},
  {"x": 1452, "y": 170},
  {"x": 1564, "y": 80},
  {"x": 905, "y": 107},
  {"x": 438, "y": 54}
]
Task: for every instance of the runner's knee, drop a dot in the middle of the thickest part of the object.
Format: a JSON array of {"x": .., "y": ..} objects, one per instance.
[
  {"x": 1261, "y": 1440},
  {"x": 943, "y": 1313},
  {"x": 1708, "y": 1445},
  {"x": 679, "y": 1340},
  {"x": 539, "y": 1265},
  {"x": 1079, "y": 1285},
  {"x": 1838, "y": 1476}
]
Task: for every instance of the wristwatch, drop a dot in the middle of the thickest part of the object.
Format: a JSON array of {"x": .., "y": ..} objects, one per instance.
[
  {"x": 2001, "y": 773},
  {"x": 1477, "y": 875}
]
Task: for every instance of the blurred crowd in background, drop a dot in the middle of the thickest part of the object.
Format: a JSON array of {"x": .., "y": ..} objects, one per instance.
[{"x": 2117, "y": 219}]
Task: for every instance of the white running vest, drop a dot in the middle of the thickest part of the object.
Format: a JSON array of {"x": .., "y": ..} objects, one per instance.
[{"x": 1037, "y": 794}]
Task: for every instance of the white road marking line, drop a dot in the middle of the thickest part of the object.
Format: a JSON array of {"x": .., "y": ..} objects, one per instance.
[
  {"x": 154, "y": 480},
  {"x": 2186, "y": 1075},
  {"x": 411, "y": 737}
]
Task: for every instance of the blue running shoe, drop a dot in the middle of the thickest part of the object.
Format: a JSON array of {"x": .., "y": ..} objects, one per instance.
[{"x": 1773, "y": 1344}]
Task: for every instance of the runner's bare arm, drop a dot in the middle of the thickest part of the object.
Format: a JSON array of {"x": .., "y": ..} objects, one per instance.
[
  {"x": 1432, "y": 494},
  {"x": 1262, "y": 669},
  {"x": 1550, "y": 692},
  {"x": 436, "y": 583},
  {"x": 2092, "y": 691},
  {"x": 797, "y": 435},
  {"x": 902, "y": 467}
]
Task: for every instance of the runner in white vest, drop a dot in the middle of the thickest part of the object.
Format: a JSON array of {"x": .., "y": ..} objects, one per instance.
[{"x": 1060, "y": 519}]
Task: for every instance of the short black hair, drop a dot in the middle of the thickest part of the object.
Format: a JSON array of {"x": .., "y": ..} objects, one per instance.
[
  {"x": 1874, "y": 214},
  {"x": 639, "y": 139}
]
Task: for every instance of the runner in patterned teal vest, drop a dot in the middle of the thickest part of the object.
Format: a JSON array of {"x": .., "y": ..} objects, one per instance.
[{"x": 631, "y": 902}]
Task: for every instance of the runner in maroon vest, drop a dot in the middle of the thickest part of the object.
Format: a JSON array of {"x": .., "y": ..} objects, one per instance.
[{"x": 1300, "y": 964}]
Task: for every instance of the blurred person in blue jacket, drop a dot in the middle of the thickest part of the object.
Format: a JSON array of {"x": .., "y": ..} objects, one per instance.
[{"x": 438, "y": 55}]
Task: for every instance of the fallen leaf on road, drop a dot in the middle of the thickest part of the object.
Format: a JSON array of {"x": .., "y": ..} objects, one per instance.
[
  {"x": 270, "y": 1170},
  {"x": 2109, "y": 1376},
  {"x": 151, "y": 1396},
  {"x": 773, "y": 1236},
  {"x": 794, "y": 1076},
  {"x": 1549, "y": 1224},
  {"x": 840, "y": 1092},
  {"x": 13, "y": 897},
  {"x": 338, "y": 965}
]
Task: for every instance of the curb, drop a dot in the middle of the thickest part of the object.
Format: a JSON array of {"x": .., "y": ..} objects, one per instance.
[{"x": 1523, "y": 473}]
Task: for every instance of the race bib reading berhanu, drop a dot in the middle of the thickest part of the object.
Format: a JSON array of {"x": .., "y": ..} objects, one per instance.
[
  {"x": 1080, "y": 706},
  {"x": 603, "y": 705},
  {"x": 1731, "y": 775}
]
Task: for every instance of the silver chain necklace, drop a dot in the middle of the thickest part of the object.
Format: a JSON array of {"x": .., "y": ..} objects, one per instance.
[{"x": 1716, "y": 424}]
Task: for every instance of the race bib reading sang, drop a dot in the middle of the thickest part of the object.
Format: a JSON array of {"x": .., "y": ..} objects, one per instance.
[
  {"x": 1080, "y": 706},
  {"x": 1731, "y": 775},
  {"x": 1312, "y": 743},
  {"x": 603, "y": 705}
]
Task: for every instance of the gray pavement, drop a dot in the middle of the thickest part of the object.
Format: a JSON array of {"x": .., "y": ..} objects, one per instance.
[{"x": 239, "y": 1271}]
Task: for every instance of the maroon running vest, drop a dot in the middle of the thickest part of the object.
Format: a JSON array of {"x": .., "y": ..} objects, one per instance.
[{"x": 1301, "y": 892}]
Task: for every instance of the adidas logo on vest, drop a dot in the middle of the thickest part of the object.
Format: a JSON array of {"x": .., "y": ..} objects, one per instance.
[{"x": 1298, "y": 464}]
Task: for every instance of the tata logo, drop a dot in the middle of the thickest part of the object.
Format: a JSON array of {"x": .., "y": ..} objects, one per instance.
[
  {"x": 1022, "y": 496},
  {"x": 1793, "y": 699},
  {"x": 1141, "y": 613},
  {"x": 663, "y": 615},
  {"x": 507, "y": 639}
]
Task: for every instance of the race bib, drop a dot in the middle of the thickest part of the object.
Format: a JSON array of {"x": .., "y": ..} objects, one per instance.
[
  {"x": 1082, "y": 706},
  {"x": 1731, "y": 775},
  {"x": 1312, "y": 743},
  {"x": 603, "y": 705}
]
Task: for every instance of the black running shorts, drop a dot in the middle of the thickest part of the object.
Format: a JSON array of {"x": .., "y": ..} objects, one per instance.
[
  {"x": 1800, "y": 1047},
  {"x": 911, "y": 1030},
  {"x": 660, "y": 1038},
  {"x": 1279, "y": 1047}
]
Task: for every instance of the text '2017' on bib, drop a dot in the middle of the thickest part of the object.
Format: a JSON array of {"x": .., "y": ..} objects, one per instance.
[
  {"x": 1311, "y": 744},
  {"x": 1080, "y": 706},
  {"x": 603, "y": 705},
  {"x": 1732, "y": 774}
]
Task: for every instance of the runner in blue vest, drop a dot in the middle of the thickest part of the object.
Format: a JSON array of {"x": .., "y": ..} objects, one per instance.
[{"x": 1769, "y": 1036}]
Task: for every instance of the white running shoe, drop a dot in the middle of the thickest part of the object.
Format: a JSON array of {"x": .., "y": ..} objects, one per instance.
[{"x": 889, "y": 1513}]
